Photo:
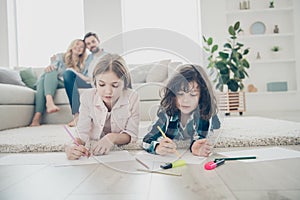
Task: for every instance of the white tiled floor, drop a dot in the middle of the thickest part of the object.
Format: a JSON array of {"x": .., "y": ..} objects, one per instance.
[{"x": 277, "y": 179}]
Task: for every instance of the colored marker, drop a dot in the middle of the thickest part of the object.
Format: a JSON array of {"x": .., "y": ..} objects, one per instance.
[
  {"x": 212, "y": 165},
  {"x": 236, "y": 158},
  {"x": 70, "y": 134},
  {"x": 73, "y": 138},
  {"x": 177, "y": 163}
]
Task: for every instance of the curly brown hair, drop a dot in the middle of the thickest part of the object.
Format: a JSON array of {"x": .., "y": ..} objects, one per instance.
[{"x": 184, "y": 75}]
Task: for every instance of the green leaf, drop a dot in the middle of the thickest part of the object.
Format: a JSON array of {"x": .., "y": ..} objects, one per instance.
[
  {"x": 219, "y": 86},
  {"x": 241, "y": 75},
  {"x": 246, "y": 51},
  {"x": 223, "y": 55},
  {"x": 227, "y": 45},
  {"x": 239, "y": 44},
  {"x": 209, "y": 41},
  {"x": 204, "y": 38},
  {"x": 206, "y": 49},
  {"x": 231, "y": 30},
  {"x": 224, "y": 79},
  {"x": 237, "y": 25},
  {"x": 233, "y": 85},
  {"x": 241, "y": 86},
  {"x": 245, "y": 63},
  {"x": 233, "y": 67},
  {"x": 214, "y": 48},
  {"x": 221, "y": 65}
]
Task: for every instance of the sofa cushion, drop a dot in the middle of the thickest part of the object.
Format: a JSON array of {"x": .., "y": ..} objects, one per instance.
[
  {"x": 29, "y": 77},
  {"x": 148, "y": 91},
  {"x": 158, "y": 73},
  {"x": 172, "y": 67},
  {"x": 9, "y": 76},
  {"x": 139, "y": 73},
  {"x": 14, "y": 94}
]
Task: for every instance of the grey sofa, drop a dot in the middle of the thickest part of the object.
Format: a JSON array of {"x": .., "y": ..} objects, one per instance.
[{"x": 17, "y": 105}]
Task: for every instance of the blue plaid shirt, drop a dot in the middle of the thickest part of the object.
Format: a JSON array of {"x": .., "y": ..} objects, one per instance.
[{"x": 196, "y": 128}]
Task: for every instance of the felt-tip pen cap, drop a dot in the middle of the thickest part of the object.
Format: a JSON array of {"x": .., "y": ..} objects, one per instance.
[{"x": 212, "y": 165}]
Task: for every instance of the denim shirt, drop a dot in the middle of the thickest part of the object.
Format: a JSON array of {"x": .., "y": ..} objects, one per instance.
[
  {"x": 197, "y": 128},
  {"x": 91, "y": 62}
]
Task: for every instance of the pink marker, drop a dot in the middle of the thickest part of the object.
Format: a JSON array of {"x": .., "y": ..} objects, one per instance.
[
  {"x": 73, "y": 138},
  {"x": 70, "y": 134},
  {"x": 212, "y": 165}
]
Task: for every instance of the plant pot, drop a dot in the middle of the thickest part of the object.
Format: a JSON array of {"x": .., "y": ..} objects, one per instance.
[{"x": 232, "y": 102}]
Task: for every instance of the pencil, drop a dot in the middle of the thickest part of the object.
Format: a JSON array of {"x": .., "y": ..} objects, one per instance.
[
  {"x": 142, "y": 163},
  {"x": 160, "y": 172},
  {"x": 164, "y": 135}
]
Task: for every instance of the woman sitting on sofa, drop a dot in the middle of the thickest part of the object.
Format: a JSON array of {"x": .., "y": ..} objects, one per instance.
[{"x": 72, "y": 59}]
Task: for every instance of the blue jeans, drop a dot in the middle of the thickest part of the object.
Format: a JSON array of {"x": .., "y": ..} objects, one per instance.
[
  {"x": 72, "y": 82},
  {"x": 46, "y": 85}
]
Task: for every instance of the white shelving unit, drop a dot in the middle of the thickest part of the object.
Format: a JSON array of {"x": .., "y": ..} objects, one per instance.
[{"x": 281, "y": 68}]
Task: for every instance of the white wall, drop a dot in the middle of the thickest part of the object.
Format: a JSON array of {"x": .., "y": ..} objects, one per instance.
[
  {"x": 214, "y": 24},
  {"x": 157, "y": 27},
  {"x": 4, "y": 61},
  {"x": 45, "y": 28},
  {"x": 104, "y": 17}
]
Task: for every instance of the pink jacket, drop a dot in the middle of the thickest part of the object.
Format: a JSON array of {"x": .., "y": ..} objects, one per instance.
[{"x": 124, "y": 115}]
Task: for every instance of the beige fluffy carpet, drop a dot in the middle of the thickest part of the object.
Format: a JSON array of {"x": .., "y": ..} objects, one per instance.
[{"x": 238, "y": 131}]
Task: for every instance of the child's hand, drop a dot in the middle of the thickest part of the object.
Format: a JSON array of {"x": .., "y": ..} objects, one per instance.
[
  {"x": 166, "y": 146},
  {"x": 74, "y": 152},
  {"x": 201, "y": 148},
  {"x": 103, "y": 146}
]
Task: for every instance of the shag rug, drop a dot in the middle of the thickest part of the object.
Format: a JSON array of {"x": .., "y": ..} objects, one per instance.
[{"x": 241, "y": 131}]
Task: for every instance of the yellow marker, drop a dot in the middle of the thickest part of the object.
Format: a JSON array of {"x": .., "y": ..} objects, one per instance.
[
  {"x": 177, "y": 163},
  {"x": 164, "y": 135}
]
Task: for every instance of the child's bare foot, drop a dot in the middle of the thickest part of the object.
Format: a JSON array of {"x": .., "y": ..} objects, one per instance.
[{"x": 73, "y": 122}]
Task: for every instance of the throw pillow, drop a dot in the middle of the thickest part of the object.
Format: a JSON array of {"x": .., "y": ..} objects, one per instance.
[
  {"x": 139, "y": 73},
  {"x": 29, "y": 78},
  {"x": 9, "y": 76},
  {"x": 158, "y": 73},
  {"x": 172, "y": 68}
]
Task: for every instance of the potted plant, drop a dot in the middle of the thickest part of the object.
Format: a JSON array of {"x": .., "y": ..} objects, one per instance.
[
  {"x": 228, "y": 66},
  {"x": 275, "y": 48},
  {"x": 275, "y": 52}
]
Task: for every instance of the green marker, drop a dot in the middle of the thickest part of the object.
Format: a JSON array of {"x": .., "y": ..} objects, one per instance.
[{"x": 236, "y": 158}]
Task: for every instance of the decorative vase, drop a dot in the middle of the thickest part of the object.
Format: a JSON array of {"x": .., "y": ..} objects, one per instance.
[{"x": 276, "y": 29}]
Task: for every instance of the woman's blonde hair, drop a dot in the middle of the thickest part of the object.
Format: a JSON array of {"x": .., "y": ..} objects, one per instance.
[
  {"x": 116, "y": 64},
  {"x": 75, "y": 63}
]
